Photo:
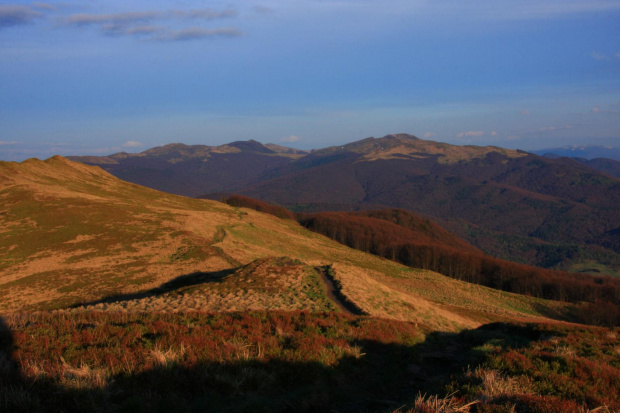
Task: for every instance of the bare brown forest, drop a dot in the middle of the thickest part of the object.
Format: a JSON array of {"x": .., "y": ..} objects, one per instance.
[{"x": 414, "y": 241}]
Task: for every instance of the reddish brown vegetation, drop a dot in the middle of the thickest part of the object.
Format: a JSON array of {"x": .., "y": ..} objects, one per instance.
[
  {"x": 298, "y": 361},
  {"x": 246, "y": 202},
  {"x": 401, "y": 236}
]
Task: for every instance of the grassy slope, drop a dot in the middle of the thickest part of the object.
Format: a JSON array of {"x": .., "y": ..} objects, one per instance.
[{"x": 71, "y": 233}]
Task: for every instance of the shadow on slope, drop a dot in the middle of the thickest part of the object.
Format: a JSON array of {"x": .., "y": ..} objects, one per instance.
[
  {"x": 177, "y": 283},
  {"x": 382, "y": 376}
]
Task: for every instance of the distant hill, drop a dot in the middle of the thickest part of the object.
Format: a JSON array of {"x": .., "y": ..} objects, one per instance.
[
  {"x": 609, "y": 166},
  {"x": 602, "y": 158},
  {"x": 194, "y": 170},
  {"x": 555, "y": 213},
  {"x": 606, "y": 165},
  {"x": 582, "y": 151},
  {"x": 550, "y": 212}
]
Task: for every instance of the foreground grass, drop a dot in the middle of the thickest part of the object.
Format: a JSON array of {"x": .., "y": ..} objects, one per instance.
[{"x": 282, "y": 361}]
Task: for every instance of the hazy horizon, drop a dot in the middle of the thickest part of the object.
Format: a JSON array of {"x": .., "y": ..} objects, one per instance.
[{"x": 97, "y": 78}]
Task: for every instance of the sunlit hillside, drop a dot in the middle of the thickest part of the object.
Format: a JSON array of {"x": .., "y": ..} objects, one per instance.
[{"x": 73, "y": 235}]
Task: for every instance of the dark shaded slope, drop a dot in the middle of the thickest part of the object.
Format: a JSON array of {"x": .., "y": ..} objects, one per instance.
[
  {"x": 282, "y": 362},
  {"x": 526, "y": 197},
  {"x": 193, "y": 170},
  {"x": 609, "y": 166}
]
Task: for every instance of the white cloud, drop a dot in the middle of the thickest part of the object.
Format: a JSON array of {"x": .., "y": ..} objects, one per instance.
[
  {"x": 429, "y": 135},
  {"x": 208, "y": 14},
  {"x": 8, "y": 143},
  {"x": 599, "y": 56},
  {"x": 263, "y": 9},
  {"x": 132, "y": 144},
  {"x": 493, "y": 133},
  {"x": 606, "y": 109},
  {"x": 471, "y": 133},
  {"x": 194, "y": 33},
  {"x": 83, "y": 19},
  {"x": 44, "y": 6},
  {"x": 291, "y": 138},
  {"x": 554, "y": 128}
]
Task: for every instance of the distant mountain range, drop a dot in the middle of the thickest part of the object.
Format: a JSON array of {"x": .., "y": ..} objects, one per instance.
[
  {"x": 582, "y": 151},
  {"x": 588, "y": 155},
  {"x": 557, "y": 213},
  {"x": 195, "y": 170}
]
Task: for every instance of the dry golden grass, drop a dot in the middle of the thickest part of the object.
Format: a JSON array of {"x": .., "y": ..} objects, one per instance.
[
  {"x": 71, "y": 233},
  {"x": 269, "y": 283}
]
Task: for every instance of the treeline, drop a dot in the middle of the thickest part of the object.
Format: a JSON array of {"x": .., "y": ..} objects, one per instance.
[
  {"x": 405, "y": 237},
  {"x": 362, "y": 230},
  {"x": 247, "y": 202}
]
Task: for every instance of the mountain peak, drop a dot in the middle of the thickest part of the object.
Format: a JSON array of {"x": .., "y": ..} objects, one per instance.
[
  {"x": 250, "y": 146},
  {"x": 401, "y": 136},
  {"x": 54, "y": 169},
  {"x": 405, "y": 146}
]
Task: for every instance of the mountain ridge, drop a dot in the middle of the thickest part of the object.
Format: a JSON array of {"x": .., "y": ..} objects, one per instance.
[
  {"x": 510, "y": 203},
  {"x": 582, "y": 151}
]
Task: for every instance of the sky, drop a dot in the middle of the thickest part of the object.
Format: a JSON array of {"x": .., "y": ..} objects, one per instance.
[{"x": 97, "y": 77}]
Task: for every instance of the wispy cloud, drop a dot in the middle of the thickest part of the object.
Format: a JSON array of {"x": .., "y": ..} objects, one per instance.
[
  {"x": 554, "y": 128},
  {"x": 291, "y": 138},
  {"x": 195, "y": 33},
  {"x": 2, "y": 143},
  {"x": 132, "y": 144},
  {"x": 525, "y": 112},
  {"x": 84, "y": 19},
  {"x": 207, "y": 14},
  {"x": 605, "y": 109},
  {"x": 15, "y": 15},
  {"x": 44, "y": 6},
  {"x": 140, "y": 24},
  {"x": 469, "y": 134},
  {"x": 547, "y": 129},
  {"x": 263, "y": 9},
  {"x": 429, "y": 135},
  {"x": 133, "y": 17},
  {"x": 599, "y": 56}
]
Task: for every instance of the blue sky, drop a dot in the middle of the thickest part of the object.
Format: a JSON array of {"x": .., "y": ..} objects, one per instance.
[{"x": 98, "y": 77}]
